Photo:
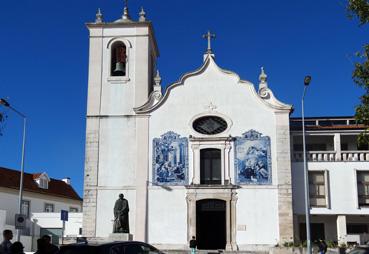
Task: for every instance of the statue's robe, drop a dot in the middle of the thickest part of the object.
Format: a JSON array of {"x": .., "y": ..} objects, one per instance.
[{"x": 121, "y": 221}]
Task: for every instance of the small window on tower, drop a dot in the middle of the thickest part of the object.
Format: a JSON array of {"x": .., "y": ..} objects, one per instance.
[{"x": 118, "y": 59}]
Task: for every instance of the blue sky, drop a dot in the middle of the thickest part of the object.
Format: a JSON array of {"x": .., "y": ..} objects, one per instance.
[{"x": 44, "y": 57}]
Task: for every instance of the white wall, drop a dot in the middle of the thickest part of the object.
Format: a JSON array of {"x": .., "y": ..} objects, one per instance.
[
  {"x": 167, "y": 220},
  {"x": 257, "y": 210},
  {"x": 117, "y": 152},
  {"x": 112, "y": 99},
  {"x": 342, "y": 187},
  {"x": 43, "y": 220},
  {"x": 257, "y": 207},
  {"x": 9, "y": 202},
  {"x": 236, "y": 101},
  {"x": 52, "y": 220}
]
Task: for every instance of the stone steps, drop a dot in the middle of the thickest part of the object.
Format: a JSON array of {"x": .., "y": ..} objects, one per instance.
[{"x": 211, "y": 252}]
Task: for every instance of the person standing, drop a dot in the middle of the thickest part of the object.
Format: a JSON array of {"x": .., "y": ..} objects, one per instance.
[
  {"x": 17, "y": 248},
  {"x": 49, "y": 247},
  {"x": 193, "y": 245},
  {"x": 6, "y": 243},
  {"x": 322, "y": 246}
]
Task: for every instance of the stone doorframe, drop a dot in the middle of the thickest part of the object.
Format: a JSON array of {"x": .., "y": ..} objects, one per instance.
[
  {"x": 225, "y": 193},
  {"x": 224, "y": 144}
]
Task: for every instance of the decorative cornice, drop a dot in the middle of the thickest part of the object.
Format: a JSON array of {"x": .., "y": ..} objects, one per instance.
[
  {"x": 269, "y": 100},
  {"x": 148, "y": 24},
  {"x": 148, "y": 108},
  {"x": 229, "y": 138}
]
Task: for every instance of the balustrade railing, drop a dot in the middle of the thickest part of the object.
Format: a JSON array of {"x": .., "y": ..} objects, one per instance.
[{"x": 332, "y": 156}]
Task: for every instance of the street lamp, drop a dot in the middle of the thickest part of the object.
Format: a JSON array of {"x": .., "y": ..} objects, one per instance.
[
  {"x": 307, "y": 80},
  {"x": 6, "y": 104}
]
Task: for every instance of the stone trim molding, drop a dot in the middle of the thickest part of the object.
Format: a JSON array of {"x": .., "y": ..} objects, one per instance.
[{"x": 229, "y": 195}]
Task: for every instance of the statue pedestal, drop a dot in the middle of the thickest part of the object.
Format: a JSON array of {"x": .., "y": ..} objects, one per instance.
[{"x": 120, "y": 237}]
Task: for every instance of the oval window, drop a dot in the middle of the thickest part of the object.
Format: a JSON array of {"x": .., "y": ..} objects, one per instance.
[{"x": 209, "y": 125}]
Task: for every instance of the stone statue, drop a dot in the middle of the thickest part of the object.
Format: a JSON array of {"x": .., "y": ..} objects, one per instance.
[{"x": 121, "y": 209}]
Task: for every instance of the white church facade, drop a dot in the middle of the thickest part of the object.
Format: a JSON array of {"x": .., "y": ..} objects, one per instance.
[{"x": 213, "y": 156}]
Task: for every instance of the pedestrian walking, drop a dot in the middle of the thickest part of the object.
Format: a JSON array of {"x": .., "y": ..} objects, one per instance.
[
  {"x": 322, "y": 246},
  {"x": 193, "y": 245},
  {"x": 6, "y": 243},
  {"x": 49, "y": 247},
  {"x": 41, "y": 246},
  {"x": 16, "y": 248}
]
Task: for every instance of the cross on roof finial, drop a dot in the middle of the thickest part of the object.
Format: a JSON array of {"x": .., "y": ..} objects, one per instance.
[
  {"x": 209, "y": 36},
  {"x": 125, "y": 11}
]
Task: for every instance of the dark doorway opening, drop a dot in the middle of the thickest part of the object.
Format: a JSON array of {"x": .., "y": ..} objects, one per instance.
[
  {"x": 316, "y": 231},
  {"x": 210, "y": 166},
  {"x": 211, "y": 224}
]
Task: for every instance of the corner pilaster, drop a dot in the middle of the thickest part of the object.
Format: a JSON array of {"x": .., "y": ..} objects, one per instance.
[
  {"x": 142, "y": 174},
  {"x": 285, "y": 213},
  {"x": 91, "y": 177}
]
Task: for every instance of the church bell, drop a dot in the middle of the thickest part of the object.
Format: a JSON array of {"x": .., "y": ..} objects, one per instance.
[{"x": 119, "y": 67}]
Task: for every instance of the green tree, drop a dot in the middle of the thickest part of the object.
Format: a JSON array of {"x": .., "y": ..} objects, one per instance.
[{"x": 360, "y": 9}]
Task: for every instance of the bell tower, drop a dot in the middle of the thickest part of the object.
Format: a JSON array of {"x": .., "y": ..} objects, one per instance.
[{"x": 122, "y": 60}]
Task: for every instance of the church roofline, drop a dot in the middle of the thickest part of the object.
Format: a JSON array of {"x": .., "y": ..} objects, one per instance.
[
  {"x": 156, "y": 100},
  {"x": 148, "y": 106},
  {"x": 92, "y": 25}
]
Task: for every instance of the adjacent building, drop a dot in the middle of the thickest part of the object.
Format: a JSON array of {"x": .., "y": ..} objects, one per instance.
[
  {"x": 338, "y": 179},
  {"x": 43, "y": 199}
]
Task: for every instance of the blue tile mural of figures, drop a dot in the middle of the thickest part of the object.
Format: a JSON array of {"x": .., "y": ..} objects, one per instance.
[
  {"x": 252, "y": 158},
  {"x": 170, "y": 159}
]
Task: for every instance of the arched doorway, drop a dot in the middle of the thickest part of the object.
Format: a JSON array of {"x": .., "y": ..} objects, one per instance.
[
  {"x": 210, "y": 166},
  {"x": 211, "y": 224}
]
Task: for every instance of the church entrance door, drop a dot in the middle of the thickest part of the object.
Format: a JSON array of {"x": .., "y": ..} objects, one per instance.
[{"x": 211, "y": 224}]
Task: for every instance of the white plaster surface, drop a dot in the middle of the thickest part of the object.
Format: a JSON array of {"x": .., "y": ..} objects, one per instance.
[
  {"x": 342, "y": 187},
  {"x": 117, "y": 151},
  {"x": 9, "y": 202},
  {"x": 167, "y": 216},
  {"x": 52, "y": 220},
  {"x": 257, "y": 209},
  {"x": 238, "y": 102}
]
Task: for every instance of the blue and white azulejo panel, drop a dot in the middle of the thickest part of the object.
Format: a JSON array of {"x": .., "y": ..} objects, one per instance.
[
  {"x": 170, "y": 159},
  {"x": 253, "y": 158}
]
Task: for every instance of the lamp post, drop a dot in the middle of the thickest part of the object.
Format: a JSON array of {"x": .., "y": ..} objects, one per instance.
[
  {"x": 6, "y": 104},
  {"x": 307, "y": 80}
]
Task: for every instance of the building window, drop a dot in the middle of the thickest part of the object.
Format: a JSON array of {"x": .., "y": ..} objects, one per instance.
[
  {"x": 317, "y": 189},
  {"x": 73, "y": 209},
  {"x": 357, "y": 228},
  {"x": 44, "y": 183},
  {"x": 118, "y": 59},
  {"x": 210, "y": 125},
  {"x": 210, "y": 166},
  {"x": 49, "y": 208},
  {"x": 317, "y": 231},
  {"x": 25, "y": 207},
  {"x": 363, "y": 187}
]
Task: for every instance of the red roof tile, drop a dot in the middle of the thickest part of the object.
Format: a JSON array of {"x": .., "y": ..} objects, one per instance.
[
  {"x": 334, "y": 127},
  {"x": 10, "y": 178},
  {"x": 37, "y": 175}
]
